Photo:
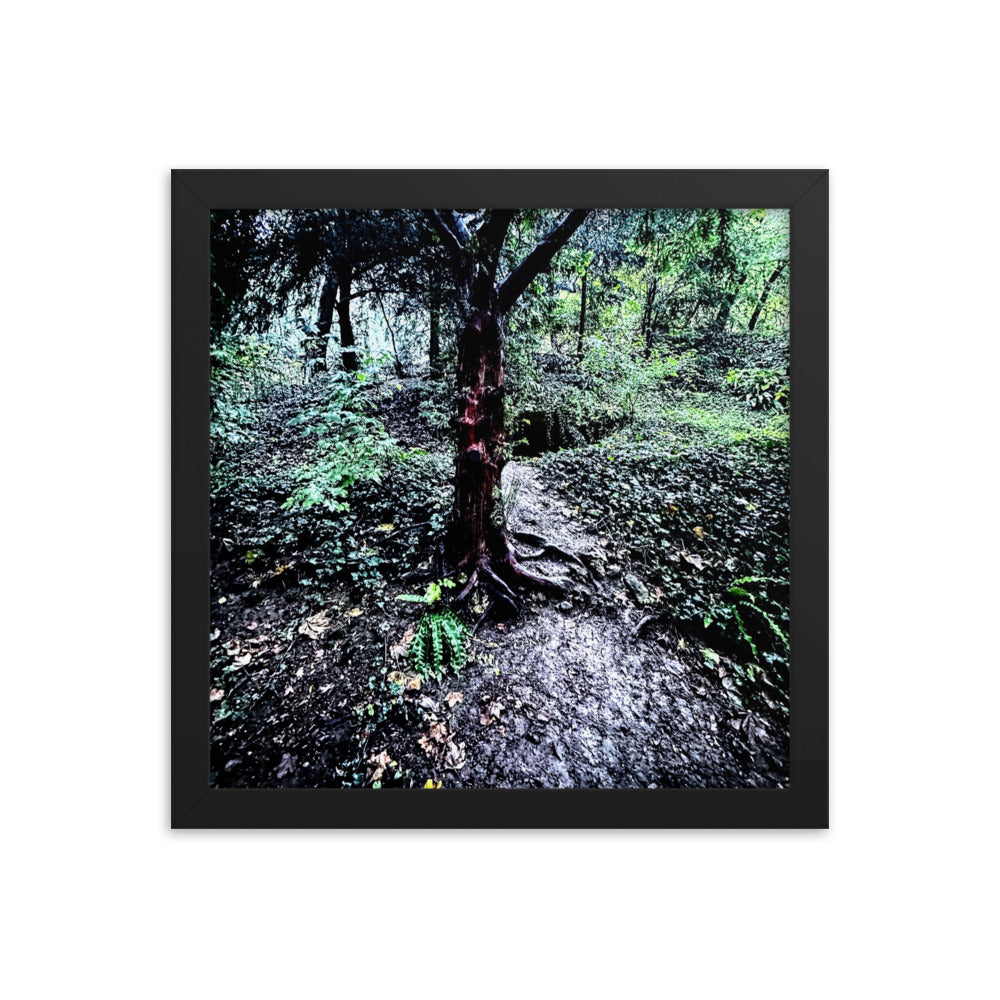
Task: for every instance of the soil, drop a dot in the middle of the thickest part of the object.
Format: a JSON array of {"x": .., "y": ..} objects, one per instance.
[{"x": 589, "y": 689}]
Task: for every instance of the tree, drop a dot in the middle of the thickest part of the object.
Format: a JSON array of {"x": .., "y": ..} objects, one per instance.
[
  {"x": 764, "y": 294},
  {"x": 481, "y": 546}
]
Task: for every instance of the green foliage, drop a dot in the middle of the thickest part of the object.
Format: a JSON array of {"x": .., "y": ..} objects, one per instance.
[
  {"x": 439, "y": 642},
  {"x": 759, "y": 388},
  {"x": 350, "y": 445},
  {"x": 706, "y": 420},
  {"x": 236, "y": 378},
  {"x": 749, "y": 603},
  {"x": 433, "y": 593},
  {"x": 436, "y": 414}
]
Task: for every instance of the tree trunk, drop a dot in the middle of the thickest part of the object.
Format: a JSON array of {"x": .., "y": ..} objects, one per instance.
[
  {"x": 764, "y": 294},
  {"x": 727, "y": 305},
  {"x": 400, "y": 373},
  {"x": 347, "y": 349},
  {"x": 481, "y": 431},
  {"x": 478, "y": 542},
  {"x": 647, "y": 318},
  {"x": 583, "y": 315},
  {"x": 316, "y": 346},
  {"x": 434, "y": 348}
]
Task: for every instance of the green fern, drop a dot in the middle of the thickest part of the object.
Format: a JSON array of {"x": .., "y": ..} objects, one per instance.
[{"x": 439, "y": 642}]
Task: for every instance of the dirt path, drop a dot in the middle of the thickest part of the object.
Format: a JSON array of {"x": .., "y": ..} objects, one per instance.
[{"x": 570, "y": 696}]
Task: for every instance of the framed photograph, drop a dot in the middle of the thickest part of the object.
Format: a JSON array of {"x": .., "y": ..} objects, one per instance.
[{"x": 499, "y": 498}]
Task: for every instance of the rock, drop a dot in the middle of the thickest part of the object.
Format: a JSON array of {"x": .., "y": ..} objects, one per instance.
[
  {"x": 566, "y": 606},
  {"x": 597, "y": 560},
  {"x": 614, "y": 570},
  {"x": 638, "y": 588}
]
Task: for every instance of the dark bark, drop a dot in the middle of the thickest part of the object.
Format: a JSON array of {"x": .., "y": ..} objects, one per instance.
[
  {"x": 764, "y": 294},
  {"x": 539, "y": 258},
  {"x": 727, "y": 305},
  {"x": 316, "y": 345},
  {"x": 434, "y": 348},
  {"x": 392, "y": 337},
  {"x": 481, "y": 431},
  {"x": 347, "y": 348},
  {"x": 479, "y": 544},
  {"x": 647, "y": 317},
  {"x": 583, "y": 315}
]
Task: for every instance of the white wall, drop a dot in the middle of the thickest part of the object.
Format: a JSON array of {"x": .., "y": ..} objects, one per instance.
[{"x": 99, "y": 897}]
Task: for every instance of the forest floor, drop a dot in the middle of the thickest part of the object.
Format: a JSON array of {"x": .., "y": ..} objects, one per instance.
[{"x": 594, "y": 688}]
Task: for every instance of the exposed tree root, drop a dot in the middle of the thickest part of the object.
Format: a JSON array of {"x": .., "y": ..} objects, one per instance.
[{"x": 467, "y": 589}]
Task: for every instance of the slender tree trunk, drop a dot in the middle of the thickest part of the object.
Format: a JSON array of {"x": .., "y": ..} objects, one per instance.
[
  {"x": 348, "y": 352},
  {"x": 647, "y": 317},
  {"x": 434, "y": 348},
  {"x": 583, "y": 316},
  {"x": 392, "y": 336},
  {"x": 764, "y": 294},
  {"x": 727, "y": 305},
  {"x": 316, "y": 346}
]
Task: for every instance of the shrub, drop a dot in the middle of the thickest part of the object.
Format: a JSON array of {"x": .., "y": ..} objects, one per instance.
[{"x": 759, "y": 388}]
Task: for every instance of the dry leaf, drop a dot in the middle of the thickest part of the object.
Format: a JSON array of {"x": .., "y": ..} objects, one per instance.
[
  {"x": 699, "y": 533},
  {"x": 386, "y": 527},
  {"x": 454, "y": 756},
  {"x": 316, "y": 625},
  {"x": 453, "y": 698},
  {"x": 431, "y": 783},
  {"x": 216, "y": 695},
  {"x": 242, "y": 661},
  {"x": 286, "y": 766}
]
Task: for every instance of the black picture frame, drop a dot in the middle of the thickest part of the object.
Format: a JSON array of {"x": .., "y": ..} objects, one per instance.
[{"x": 194, "y": 804}]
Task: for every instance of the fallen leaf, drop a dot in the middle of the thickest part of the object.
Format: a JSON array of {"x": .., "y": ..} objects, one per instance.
[
  {"x": 431, "y": 783},
  {"x": 216, "y": 695},
  {"x": 316, "y": 625},
  {"x": 454, "y": 756},
  {"x": 286, "y": 766},
  {"x": 386, "y": 527},
  {"x": 232, "y": 647},
  {"x": 698, "y": 533},
  {"x": 695, "y": 561},
  {"x": 215, "y": 635},
  {"x": 242, "y": 661},
  {"x": 453, "y": 698},
  {"x": 354, "y": 612}
]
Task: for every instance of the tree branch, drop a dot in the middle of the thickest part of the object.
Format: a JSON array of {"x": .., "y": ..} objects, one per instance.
[
  {"x": 539, "y": 258},
  {"x": 490, "y": 237},
  {"x": 449, "y": 237}
]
